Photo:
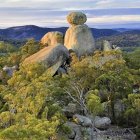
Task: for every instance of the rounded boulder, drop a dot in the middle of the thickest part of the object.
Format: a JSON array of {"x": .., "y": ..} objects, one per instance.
[
  {"x": 76, "y": 18},
  {"x": 80, "y": 40},
  {"x": 52, "y": 38},
  {"x": 102, "y": 122},
  {"x": 52, "y": 57}
]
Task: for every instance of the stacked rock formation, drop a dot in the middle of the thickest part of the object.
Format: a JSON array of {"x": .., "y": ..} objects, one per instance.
[{"x": 78, "y": 37}]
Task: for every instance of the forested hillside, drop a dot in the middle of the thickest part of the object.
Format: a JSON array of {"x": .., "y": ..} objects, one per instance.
[{"x": 128, "y": 40}]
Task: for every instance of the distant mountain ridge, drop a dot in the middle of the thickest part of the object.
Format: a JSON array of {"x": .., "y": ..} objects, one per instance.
[
  {"x": 26, "y": 32},
  {"x": 125, "y": 38},
  {"x": 32, "y": 31},
  {"x": 125, "y": 29}
]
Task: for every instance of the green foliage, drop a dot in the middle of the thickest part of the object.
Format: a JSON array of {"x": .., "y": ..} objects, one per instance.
[
  {"x": 14, "y": 58},
  {"x": 10, "y": 59},
  {"x": 32, "y": 112},
  {"x": 110, "y": 82},
  {"x": 6, "y": 119},
  {"x": 29, "y": 48},
  {"x": 132, "y": 112},
  {"x": 133, "y": 59},
  {"x": 7, "y": 52},
  {"x": 3, "y": 61},
  {"x": 6, "y": 48},
  {"x": 94, "y": 103},
  {"x": 31, "y": 103},
  {"x": 33, "y": 129}
]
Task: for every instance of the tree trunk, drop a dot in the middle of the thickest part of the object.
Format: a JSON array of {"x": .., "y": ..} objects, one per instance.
[{"x": 113, "y": 111}]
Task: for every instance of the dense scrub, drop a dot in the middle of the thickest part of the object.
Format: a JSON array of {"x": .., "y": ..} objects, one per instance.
[{"x": 31, "y": 102}]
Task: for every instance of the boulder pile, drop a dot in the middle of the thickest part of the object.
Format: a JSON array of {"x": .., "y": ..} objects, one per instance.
[{"x": 78, "y": 38}]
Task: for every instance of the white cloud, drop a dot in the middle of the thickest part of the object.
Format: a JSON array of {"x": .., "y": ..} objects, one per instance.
[
  {"x": 102, "y": 2},
  {"x": 71, "y": 4},
  {"x": 117, "y": 4},
  {"x": 114, "y": 19},
  {"x": 61, "y": 21},
  {"x": 53, "y": 12}
]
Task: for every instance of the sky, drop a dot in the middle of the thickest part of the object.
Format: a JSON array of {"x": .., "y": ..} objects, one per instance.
[{"x": 52, "y": 13}]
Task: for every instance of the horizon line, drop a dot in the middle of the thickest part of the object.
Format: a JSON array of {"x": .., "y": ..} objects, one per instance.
[{"x": 67, "y": 27}]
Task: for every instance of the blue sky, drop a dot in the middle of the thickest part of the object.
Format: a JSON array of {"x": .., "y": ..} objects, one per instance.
[{"x": 52, "y": 13}]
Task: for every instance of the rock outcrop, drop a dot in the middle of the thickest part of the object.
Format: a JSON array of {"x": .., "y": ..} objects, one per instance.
[
  {"x": 70, "y": 110},
  {"x": 83, "y": 129},
  {"x": 79, "y": 37},
  {"x": 82, "y": 120},
  {"x": 119, "y": 108},
  {"x": 102, "y": 123},
  {"x": 89, "y": 128},
  {"x": 52, "y": 57},
  {"x": 76, "y": 132},
  {"x": 52, "y": 38},
  {"x": 10, "y": 70},
  {"x": 99, "y": 122},
  {"x": 107, "y": 46}
]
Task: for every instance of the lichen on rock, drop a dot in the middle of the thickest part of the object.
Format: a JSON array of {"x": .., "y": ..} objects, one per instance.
[
  {"x": 76, "y": 18},
  {"x": 52, "y": 57},
  {"x": 52, "y": 38},
  {"x": 79, "y": 39}
]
